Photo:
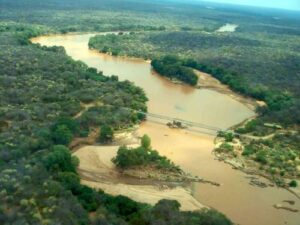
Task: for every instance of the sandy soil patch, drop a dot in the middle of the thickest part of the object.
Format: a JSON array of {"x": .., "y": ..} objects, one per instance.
[
  {"x": 149, "y": 194},
  {"x": 97, "y": 171},
  {"x": 205, "y": 80},
  {"x": 228, "y": 28}
]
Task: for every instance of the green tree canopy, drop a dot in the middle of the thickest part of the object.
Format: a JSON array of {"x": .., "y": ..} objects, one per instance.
[
  {"x": 62, "y": 135},
  {"x": 106, "y": 134},
  {"x": 61, "y": 160},
  {"x": 146, "y": 141}
]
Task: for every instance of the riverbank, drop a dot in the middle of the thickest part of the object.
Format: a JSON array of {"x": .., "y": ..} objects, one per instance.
[
  {"x": 207, "y": 81},
  {"x": 194, "y": 153},
  {"x": 96, "y": 170},
  {"x": 234, "y": 153}
]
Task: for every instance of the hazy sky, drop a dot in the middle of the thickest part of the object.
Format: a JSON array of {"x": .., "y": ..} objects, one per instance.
[{"x": 285, "y": 4}]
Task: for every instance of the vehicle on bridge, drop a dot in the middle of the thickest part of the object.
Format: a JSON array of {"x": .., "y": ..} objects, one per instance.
[{"x": 176, "y": 124}]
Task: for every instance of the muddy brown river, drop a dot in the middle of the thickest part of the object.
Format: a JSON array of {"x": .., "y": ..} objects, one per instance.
[{"x": 241, "y": 202}]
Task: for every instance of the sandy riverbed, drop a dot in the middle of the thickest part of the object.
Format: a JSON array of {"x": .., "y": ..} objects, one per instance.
[
  {"x": 97, "y": 171},
  {"x": 207, "y": 81}
]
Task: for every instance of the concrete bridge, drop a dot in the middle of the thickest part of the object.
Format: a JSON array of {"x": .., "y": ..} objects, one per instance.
[{"x": 189, "y": 125}]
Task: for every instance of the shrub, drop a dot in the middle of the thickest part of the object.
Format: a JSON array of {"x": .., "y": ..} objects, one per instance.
[
  {"x": 293, "y": 183},
  {"x": 122, "y": 206},
  {"x": 249, "y": 150},
  {"x": 61, "y": 160},
  {"x": 173, "y": 67},
  {"x": 146, "y": 142},
  {"x": 141, "y": 156},
  {"x": 70, "y": 180},
  {"x": 62, "y": 135},
  {"x": 227, "y": 135},
  {"x": 261, "y": 157},
  {"x": 225, "y": 147},
  {"x": 106, "y": 134},
  {"x": 69, "y": 122}
]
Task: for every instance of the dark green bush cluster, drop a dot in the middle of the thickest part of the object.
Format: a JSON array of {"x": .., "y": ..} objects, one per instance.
[
  {"x": 225, "y": 147},
  {"x": 64, "y": 130},
  {"x": 228, "y": 136},
  {"x": 173, "y": 67},
  {"x": 293, "y": 183},
  {"x": 106, "y": 134},
  {"x": 143, "y": 156},
  {"x": 249, "y": 150}
]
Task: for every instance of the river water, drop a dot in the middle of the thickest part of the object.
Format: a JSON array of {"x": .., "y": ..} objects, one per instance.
[{"x": 243, "y": 203}]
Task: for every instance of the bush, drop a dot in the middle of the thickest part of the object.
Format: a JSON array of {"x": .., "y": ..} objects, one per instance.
[
  {"x": 70, "y": 180},
  {"x": 249, "y": 127},
  {"x": 261, "y": 157},
  {"x": 146, "y": 142},
  {"x": 122, "y": 206},
  {"x": 69, "y": 122},
  {"x": 141, "y": 156},
  {"x": 60, "y": 160},
  {"x": 228, "y": 136},
  {"x": 249, "y": 150},
  {"x": 106, "y": 134},
  {"x": 225, "y": 147},
  {"x": 172, "y": 66},
  {"x": 293, "y": 183},
  {"x": 62, "y": 135}
]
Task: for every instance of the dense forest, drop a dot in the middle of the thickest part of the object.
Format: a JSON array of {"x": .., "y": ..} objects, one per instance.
[{"x": 43, "y": 94}]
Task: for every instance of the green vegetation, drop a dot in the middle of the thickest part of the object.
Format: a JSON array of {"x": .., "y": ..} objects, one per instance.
[
  {"x": 62, "y": 135},
  {"x": 42, "y": 90},
  {"x": 249, "y": 150},
  {"x": 278, "y": 156},
  {"x": 225, "y": 147},
  {"x": 59, "y": 159},
  {"x": 228, "y": 136},
  {"x": 143, "y": 156},
  {"x": 258, "y": 60},
  {"x": 256, "y": 127},
  {"x": 172, "y": 67},
  {"x": 106, "y": 134},
  {"x": 146, "y": 142},
  {"x": 293, "y": 183}
]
